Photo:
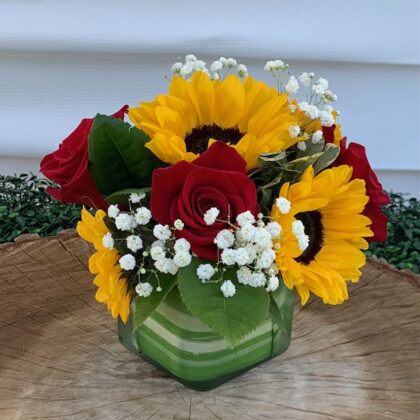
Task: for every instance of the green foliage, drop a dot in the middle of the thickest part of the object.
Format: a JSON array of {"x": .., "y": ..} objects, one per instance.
[
  {"x": 278, "y": 168},
  {"x": 233, "y": 317},
  {"x": 25, "y": 207},
  {"x": 143, "y": 307},
  {"x": 403, "y": 245},
  {"x": 117, "y": 157}
]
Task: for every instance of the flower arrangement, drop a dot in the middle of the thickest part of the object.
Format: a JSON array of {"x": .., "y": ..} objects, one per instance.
[{"x": 224, "y": 188}]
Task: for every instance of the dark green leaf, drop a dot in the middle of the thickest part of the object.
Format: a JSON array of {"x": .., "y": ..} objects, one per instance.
[
  {"x": 118, "y": 158},
  {"x": 234, "y": 317}
]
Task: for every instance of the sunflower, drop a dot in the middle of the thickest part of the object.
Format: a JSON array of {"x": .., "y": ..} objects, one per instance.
[
  {"x": 248, "y": 115},
  {"x": 322, "y": 233},
  {"x": 112, "y": 289}
]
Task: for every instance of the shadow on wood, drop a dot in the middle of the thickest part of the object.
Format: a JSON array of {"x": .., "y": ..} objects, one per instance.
[{"x": 60, "y": 356}]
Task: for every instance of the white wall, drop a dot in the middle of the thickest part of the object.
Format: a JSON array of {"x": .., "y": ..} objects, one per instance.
[{"x": 64, "y": 60}]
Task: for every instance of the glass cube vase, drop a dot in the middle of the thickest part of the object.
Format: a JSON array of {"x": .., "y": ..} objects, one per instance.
[{"x": 182, "y": 346}]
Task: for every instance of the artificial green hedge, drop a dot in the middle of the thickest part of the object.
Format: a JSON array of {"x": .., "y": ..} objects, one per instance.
[{"x": 25, "y": 207}]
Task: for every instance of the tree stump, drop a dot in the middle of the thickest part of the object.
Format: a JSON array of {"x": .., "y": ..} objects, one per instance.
[{"x": 60, "y": 356}]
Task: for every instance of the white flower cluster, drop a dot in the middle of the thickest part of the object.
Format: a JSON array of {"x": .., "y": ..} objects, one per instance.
[
  {"x": 192, "y": 64},
  {"x": 249, "y": 247},
  {"x": 319, "y": 93}
]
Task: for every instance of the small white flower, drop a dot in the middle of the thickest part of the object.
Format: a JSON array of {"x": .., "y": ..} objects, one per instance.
[
  {"x": 190, "y": 57},
  {"x": 215, "y": 76},
  {"x": 244, "y": 275},
  {"x": 294, "y": 131},
  {"x": 269, "y": 65},
  {"x": 143, "y": 215},
  {"x": 246, "y": 233},
  {"x": 252, "y": 253},
  {"x": 301, "y": 145},
  {"x": 273, "y": 284},
  {"x": 182, "y": 245},
  {"x": 186, "y": 70},
  {"x": 125, "y": 222},
  {"x": 134, "y": 243},
  {"x": 162, "y": 232},
  {"x": 157, "y": 253},
  {"x": 327, "y": 119},
  {"x": 182, "y": 259},
  {"x": 329, "y": 108},
  {"x": 228, "y": 289},
  {"x": 242, "y": 70},
  {"x": 303, "y": 242},
  {"x": 136, "y": 198},
  {"x": 228, "y": 256},
  {"x": 322, "y": 82},
  {"x": 179, "y": 224},
  {"x": 216, "y": 66},
  {"x": 292, "y": 85},
  {"x": 318, "y": 89},
  {"x": 283, "y": 204},
  {"x": 329, "y": 96},
  {"x": 166, "y": 265},
  {"x": 199, "y": 65},
  {"x": 224, "y": 239},
  {"x": 317, "y": 137},
  {"x": 176, "y": 67},
  {"x": 257, "y": 279},
  {"x": 274, "y": 229},
  {"x": 205, "y": 272},
  {"x": 245, "y": 218},
  {"x": 144, "y": 289},
  {"x": 265, "y": 259},
  {"x": 231, "y": 63},
  {"x": 305, "y": 79},
  {"x": 113, "y": 211},
  {"x": 241, "y": 256},
  {"x": 127, "y": 262},
  {"x": 312, "y": 112},
  {"x": 158, "y": 243},
  {"x": 211, "y": 215},
  {"x": 223, "y": 60},
  {"x": 262, "y": 238},
  {"x": 303, "y": 106},
  {"x": 298, "y": 228},
  {"x": 108, "y": 241}
]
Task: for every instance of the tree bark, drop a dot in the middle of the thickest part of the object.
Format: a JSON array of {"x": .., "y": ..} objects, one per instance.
[{"x": 60, "y": 356}]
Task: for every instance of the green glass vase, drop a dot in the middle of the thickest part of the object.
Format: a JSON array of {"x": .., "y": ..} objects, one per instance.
[{"x": 182, "y": 346}]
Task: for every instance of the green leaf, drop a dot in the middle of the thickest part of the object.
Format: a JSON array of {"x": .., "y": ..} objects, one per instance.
[
  {"x": 118, "y": 158},
  {"x": 122, "y": 196},
  {"x": 234, "y": 317},
  {"x": 329, "y": 155},
  {"x": 143, "y": 307}
]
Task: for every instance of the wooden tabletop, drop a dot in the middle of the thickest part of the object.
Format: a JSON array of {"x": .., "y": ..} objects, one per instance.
[{"x": 60, "y": 357}]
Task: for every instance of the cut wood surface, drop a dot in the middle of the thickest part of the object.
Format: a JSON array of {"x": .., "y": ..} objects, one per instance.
[{"x": 60, "y": 357}]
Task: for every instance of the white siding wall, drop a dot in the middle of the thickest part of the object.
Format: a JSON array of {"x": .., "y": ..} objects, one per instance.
[{"x": 61, "y": 61}]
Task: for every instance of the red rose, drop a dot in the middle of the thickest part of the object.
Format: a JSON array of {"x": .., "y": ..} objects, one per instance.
[
  {"x": 68, "y": 167},
  {"x": 328, "y": 133},
  {"x": 218, "y": 178},
  {"x": 355, "y": 156}
]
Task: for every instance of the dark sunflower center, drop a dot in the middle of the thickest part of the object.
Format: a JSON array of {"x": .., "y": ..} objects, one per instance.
[
  {"x": 197, "y": 140},
  {"x": 312, "y": 220}
]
